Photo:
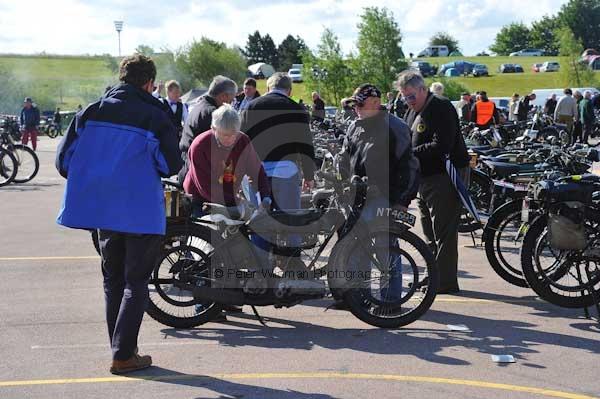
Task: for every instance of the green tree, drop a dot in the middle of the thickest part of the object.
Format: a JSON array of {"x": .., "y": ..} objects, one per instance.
[
  {"x": 111, "y": 63},
  {"x": 269, "y": 51},
  {"x": 543, "y": 35},
  {"x": 574, "y": 73},
  {"x": 380, "y": 54},
  {"x": 326, "y": 71},
  {"x": 169, "y": 66},
  {"x": 583, "y": 18},
  {"x": 290, "y": 52},
  {"x": 512, "y": 37},
  {"x": 253, "y": 49},
  {"x": 204, "y": 59},
  {"x": 145, "y": 50},
  {"x": 444, "y": 39}
]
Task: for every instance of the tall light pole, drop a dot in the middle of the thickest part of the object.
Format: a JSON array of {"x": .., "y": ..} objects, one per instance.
[{"x": 119, "y": 28}]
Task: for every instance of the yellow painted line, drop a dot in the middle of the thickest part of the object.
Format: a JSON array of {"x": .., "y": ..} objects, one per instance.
[
  {"x": 480, "y": 300},
  {"x": 50, "y": 258},
  {"x": 347, "y": 376}
]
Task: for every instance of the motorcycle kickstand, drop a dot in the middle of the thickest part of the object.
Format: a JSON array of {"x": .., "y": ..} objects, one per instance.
[{"x": 258, "y": 317}]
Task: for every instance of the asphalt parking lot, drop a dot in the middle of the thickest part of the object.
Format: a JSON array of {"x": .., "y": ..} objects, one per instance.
[{"x": 53, "y": 341}]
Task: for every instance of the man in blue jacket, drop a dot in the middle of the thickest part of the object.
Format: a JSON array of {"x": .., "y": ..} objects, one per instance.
[{"x": 113, "y": 156}]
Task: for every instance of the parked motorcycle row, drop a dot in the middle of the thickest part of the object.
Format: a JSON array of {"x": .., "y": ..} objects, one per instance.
[{"x": 542, "y": 205}]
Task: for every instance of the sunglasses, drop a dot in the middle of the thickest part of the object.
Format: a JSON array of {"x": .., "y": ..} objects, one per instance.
[{"x": 411, "y": 98}]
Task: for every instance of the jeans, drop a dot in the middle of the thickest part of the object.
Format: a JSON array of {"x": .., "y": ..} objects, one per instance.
[
  {"x": 127, "y": 264},
  {"x": 286, "y": 196},
  {"x": 390, "y": 285}
]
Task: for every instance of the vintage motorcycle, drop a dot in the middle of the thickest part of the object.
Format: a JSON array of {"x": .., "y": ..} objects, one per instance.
[{"x": 384, "y": 273}]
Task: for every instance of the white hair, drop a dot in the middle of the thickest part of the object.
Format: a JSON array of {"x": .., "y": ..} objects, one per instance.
[
  {"x": 226, "y": 118},
  {"x": 410, "y": 78},
  {"x": 437, "y": 88}
]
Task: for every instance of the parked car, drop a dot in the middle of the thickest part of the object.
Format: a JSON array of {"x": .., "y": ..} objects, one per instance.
[
  {"x": 506, "y": 68},
  {"x": 462, "y": 67},
  {"x": 330, "y": 111},
  {"x": 423, "y": 67},
  {"x": 528, "y": 52},
  {"x": 434, "y": 51},
  {"x": 295, "y": 75},
  {"x": 480, "y": 70},
  {"x": 482, "y": 54},
  {"x": 536, "y": 67},
  {"x": 550, "y": 66},
  {"x": 519, "y": 68}
]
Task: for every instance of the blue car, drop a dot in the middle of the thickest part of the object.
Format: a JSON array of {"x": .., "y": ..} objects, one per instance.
[
  {"x": 480, "y": 70},
  {"x": 462, "y": 67}
]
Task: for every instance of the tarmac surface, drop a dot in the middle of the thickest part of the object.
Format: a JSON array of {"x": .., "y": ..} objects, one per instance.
[{"x": 53, "y": 341}]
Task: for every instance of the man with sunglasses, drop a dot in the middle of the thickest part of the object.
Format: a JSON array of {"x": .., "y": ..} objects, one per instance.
[
  {"x": 379, "y": 148},
  {"x": 436, "y": 135}
]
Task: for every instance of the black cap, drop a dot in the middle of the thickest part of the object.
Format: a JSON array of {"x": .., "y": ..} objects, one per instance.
[
  {"x": 28, "y": 100},
  {"x": 365, "y": 91}
]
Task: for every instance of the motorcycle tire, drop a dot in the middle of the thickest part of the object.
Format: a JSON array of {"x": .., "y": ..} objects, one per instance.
[
  {"x": 545, "y": 285},
  {"x": 375, "y": 312},
  {"x": 28, "y": 161},
  {"x": 184, "y": 239}
]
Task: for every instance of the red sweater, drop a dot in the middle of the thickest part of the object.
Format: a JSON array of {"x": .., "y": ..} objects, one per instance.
[{"x": 216, "y": 172}]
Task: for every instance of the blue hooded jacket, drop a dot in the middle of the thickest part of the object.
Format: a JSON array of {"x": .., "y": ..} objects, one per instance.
[{"x": 113, "y": 157}]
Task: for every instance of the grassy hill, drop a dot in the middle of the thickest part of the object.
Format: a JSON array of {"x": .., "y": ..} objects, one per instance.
[
  {"x": 503, "y": 85},
  {"x": 77, "y": 80}
]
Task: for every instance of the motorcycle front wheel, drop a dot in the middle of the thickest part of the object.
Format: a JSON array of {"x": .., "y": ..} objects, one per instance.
[{"x": 390, "y": 276}]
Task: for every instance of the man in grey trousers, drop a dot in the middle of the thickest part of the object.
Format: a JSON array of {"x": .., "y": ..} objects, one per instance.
[{"x": 435, "y": 135}]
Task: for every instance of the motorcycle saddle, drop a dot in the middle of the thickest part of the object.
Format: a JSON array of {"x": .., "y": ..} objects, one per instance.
[
  {"x": 296, "y": 217},
  {"x": 230, "y": 212},
  {"x": 503, "y": 169}
]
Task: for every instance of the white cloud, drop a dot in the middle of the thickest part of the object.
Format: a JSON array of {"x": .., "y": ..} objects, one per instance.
[{"x": 80, "y": 27}]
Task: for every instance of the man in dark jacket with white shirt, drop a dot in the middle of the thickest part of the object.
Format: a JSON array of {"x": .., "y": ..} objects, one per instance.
[{"x": 113, "y": 157}]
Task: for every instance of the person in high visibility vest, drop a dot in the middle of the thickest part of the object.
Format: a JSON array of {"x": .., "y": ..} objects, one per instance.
[{"x": 484, "y": 112}]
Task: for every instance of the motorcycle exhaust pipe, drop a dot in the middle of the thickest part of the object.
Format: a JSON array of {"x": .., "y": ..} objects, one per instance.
[{"x": 223, "y": 296}]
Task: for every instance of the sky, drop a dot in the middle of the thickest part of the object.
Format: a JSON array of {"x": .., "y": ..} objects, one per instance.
[{"x": 87, "y": 27}]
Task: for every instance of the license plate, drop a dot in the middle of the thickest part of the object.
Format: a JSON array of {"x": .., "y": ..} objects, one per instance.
[
  {"x": 525, "y": 210},
  {"x": 404, "y": 217}
]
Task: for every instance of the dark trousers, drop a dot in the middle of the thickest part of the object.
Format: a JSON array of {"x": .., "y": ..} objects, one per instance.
[
  {"x": 440, "y": 209},
  {"x": 127, "y": 264},
  {"x": 588, "y": 128},
  {"x": 577, "y": 133}
]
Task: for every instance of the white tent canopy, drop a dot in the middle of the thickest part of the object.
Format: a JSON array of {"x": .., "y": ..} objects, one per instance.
[{"x": 266, "y": 69}]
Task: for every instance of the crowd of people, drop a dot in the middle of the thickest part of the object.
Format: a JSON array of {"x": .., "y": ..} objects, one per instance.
[{"x": 118, "y": 148}]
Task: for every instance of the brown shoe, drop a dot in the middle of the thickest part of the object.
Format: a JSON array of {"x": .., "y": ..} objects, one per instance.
[{"x": 134, "y": 363}]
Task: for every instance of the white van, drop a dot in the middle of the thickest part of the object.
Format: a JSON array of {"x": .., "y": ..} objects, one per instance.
[{"x": 434, "y": 51}]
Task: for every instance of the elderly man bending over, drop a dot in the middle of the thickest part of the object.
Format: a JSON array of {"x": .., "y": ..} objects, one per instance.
[{"x": 219, "y": 158}]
